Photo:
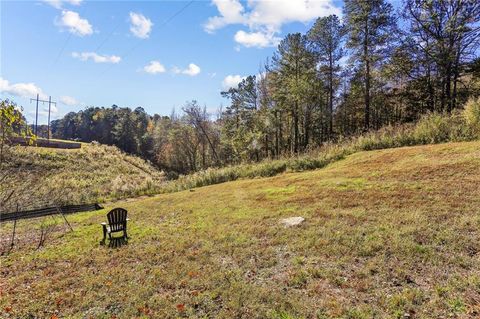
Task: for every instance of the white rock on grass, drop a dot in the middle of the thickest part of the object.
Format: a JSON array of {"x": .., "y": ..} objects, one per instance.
[{"x": 292, "y": 221}]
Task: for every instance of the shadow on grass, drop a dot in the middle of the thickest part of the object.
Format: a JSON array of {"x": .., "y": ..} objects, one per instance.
[{"x": 115, "y": 242}]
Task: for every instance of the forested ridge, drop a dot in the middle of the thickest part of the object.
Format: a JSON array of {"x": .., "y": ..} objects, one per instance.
[{"x": 375, "y": 67}]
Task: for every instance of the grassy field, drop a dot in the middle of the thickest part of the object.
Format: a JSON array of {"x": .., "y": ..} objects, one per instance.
[
  {"x": 388, "y": 234},
  {"x": 95, "y": 173}
]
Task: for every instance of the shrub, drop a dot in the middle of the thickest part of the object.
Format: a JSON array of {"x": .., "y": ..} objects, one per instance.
[
  {"x": 123, "y": 176},
  {"x": 471, "y": 113},
  {"x": 432, "y": 128}
]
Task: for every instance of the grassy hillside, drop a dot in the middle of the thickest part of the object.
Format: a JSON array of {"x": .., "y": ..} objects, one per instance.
[
  {"x": 388, "y": 234},
  {"x": 433, "y": 128},
  {"x": 95, "y": 173}
]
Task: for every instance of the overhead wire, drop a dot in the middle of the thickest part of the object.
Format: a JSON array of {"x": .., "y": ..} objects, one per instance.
[
  {"x": 135, "y": 46},
  {"x": 108, "y": 36},
  {"x": 66, "y": 41}
]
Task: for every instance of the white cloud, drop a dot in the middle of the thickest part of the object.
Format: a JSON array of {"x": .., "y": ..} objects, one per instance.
[
  {"x": 192, "y": 70},
  {"x": 274, "y": 14},
  {"x": 59, "y": 3},
  {"x": 74, "y": 23},
  {"x": 231, "y": 12},
  {"x": 28, "y": 90},
  {"x": 97, "y": 58},
  {"x": 232, "y": 81},
  {"x": 44, "y": 112},
  {"x": 265, "y": 18},
  {"x": 140, "y": 25},
  {"x": 154, "y": 67},
  {"x": 256, "y": 39},
  {"x": 68, "y": 100}
]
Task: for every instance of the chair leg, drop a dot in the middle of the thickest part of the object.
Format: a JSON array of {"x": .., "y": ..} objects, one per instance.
[{"x": 104, "y": 235}]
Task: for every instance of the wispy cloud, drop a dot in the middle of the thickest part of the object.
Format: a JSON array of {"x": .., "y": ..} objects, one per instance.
[
  {"x": 27, "y": 90},
  {"x": 191, "y": 70},
  {"x": 68, "y": 100},
  {"x": 53, "y": 110},
  {"x": 232, "y": 81},
  {"x": 95, "y": 57},
  {"x": 140, "y": 26},
  {"x": 58, "y": 4},
  {"x": 154, "y": 67}
]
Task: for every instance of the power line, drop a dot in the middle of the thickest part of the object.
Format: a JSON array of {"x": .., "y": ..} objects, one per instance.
[
  {"x": 108, "y": 36},
  {"x": 176, "y": 14},
  {"x": 66, "y": 42},
  {"x": 164, "y": 23},
  {"x": 50, "y": 102},
  {"x": 61, "y": 50},
  {"x": 135, "y": 46}
]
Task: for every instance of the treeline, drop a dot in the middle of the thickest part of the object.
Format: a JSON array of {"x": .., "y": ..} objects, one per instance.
[
  {"x": 176, "y": 144},
  {"x": 375, "y": 68}
]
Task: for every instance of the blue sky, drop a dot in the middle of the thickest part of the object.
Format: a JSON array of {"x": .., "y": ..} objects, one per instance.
[{"x": 154, "y": 54}]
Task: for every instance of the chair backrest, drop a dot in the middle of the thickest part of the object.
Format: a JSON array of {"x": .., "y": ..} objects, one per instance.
[{"x": 117, "y": 219}]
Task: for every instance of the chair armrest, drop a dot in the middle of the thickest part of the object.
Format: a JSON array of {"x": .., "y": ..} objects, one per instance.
[
  {"x": 103, "y": 224},
  {"x": 128, "y": 219}
]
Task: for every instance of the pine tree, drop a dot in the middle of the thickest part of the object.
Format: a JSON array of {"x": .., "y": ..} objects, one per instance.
[
  {"x": 294, "y": 66},
  {"x": 326, "y": 37},
  {"x": 370, "y": 25},
  {"x": 446, "y": 32}
]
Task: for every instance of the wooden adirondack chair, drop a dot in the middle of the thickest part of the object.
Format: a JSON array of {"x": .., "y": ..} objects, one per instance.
[{"x": 117, "y": 222}]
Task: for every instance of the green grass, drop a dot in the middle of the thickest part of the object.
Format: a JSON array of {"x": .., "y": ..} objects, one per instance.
[{"x": 387, "y": 233}]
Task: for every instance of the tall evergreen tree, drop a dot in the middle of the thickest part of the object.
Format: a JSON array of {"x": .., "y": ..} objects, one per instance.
[
  {"x": 240, "y": 120},
  {"x": 124, "y": 131},
  {"x": 446, "y": 32},
  {"x": 295, "y": 67},
  {"x": 370, "y": 25},
  {"x": 326, "y": 37}
]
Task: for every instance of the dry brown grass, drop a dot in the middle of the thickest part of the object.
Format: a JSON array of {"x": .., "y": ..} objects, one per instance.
[
  {"x": 388, "y": 234},
  {"x": 95, "y": 173}
]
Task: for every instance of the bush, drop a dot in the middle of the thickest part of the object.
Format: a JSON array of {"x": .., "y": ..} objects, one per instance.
[
  {"x": 430, "y": 129},
  {"x": 441, "y": 128},
  {"x": 471, "y": 113}
]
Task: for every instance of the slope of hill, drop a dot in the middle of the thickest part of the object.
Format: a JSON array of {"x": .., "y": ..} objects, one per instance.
[
  {"x": 95, "y": 173},
  {"x": 388, "y": 234}
]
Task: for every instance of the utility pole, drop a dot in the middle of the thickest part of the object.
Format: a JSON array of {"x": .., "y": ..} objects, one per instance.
[
  {"x": 48, "y": 125},
  {"x": 36, "y": 114}
]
